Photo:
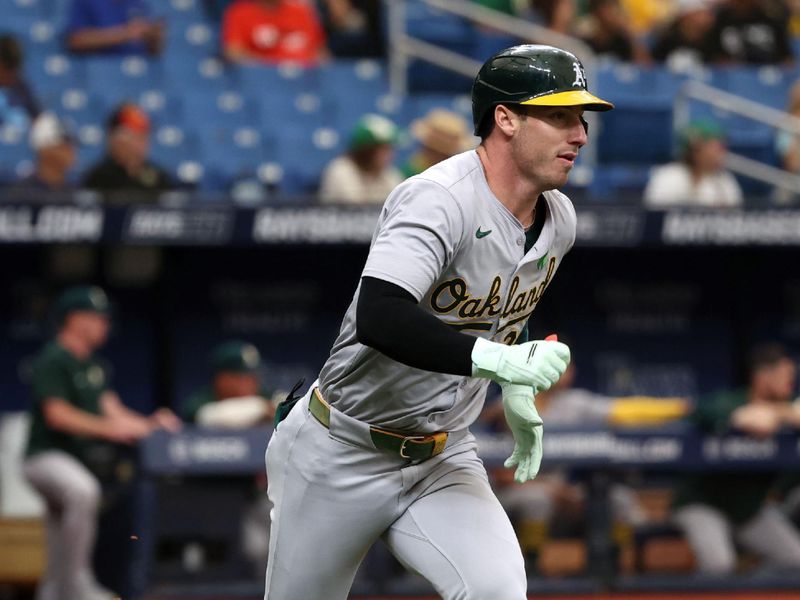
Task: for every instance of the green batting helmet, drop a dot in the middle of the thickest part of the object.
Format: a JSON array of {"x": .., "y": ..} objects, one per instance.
[{"x": 531, "y": 74}]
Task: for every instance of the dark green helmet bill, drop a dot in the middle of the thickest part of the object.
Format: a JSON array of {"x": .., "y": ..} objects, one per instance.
[{"x": 531, "y": 74}]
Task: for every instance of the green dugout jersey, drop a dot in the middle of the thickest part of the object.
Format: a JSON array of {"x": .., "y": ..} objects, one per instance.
[
  {"x": 59, "y": 374},
  {"x": 739, "y": 495}
]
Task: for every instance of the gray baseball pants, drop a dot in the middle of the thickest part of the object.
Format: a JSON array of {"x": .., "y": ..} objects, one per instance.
[
  {"x": 72, "y": 495},
  {"x": 770, "y": 534},
  {"x": 334, "y": 495}
]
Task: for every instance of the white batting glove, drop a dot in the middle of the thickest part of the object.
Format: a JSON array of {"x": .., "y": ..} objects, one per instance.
[
  {"x": 538, "y": 364},
  {"x": 527, "y": 429}
]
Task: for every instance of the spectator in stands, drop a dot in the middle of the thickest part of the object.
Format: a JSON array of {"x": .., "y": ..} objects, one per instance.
[
  {"x": 441, "y": 134},
  {"x": 273, "y": 32},
  {"x": 607, "y": 31},
  {"x": 353, "y": 27},
  {"x": 557, "y": 15},
  {"x": 685, "y": 43},
  {"x": 645, "y": 16},
  {"x": 18, "y": 105},
  {"x": 699, "y": 177},
  {"x": 752, "y": 31},
  {"x": 716, "y": 511},
  {"x": 125, "y": 174},
  {"x": 787, "y": 144},
  {"x": 56, "y": 152},
  {"x": 534, "y": 506},
  {"x": 236, "y": 399},
  {"x": 364, "y": 175},
  {"x": 74, "y": 408},
  {"x": 118, "y": 27}
]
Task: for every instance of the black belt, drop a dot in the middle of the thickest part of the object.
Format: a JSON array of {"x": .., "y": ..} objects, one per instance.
[{"x": 411, "y": 447}]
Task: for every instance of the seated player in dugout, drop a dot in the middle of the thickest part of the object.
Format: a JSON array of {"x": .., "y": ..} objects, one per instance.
[
  {"x": 379, "y": 447},
  {"x": 553, "y": 498},
  {"x": 236, "y": 397},
  {"x": 719, "y": 512},
  {"x": 73, "y": 408}
]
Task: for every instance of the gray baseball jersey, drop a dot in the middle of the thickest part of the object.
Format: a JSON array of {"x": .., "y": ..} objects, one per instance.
[{"x": 444, "y": 237}]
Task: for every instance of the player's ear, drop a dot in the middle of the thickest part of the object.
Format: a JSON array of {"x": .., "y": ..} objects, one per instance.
[{"x": 506, "y": 119}]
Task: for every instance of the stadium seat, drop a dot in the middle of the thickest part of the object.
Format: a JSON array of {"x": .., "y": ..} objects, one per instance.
[
  {"x": 183, "y": 75},
  {"x": 305, "y": 110},
  {"x": 766, "y": 85},
  {"x": 636, "y": 132},
  {"x": 210, "y": 110},
  {"x": 197, "y": 38},
  {"x": 78, "y": 107},
  {"x": 55, "y": 73},
  {"x": 180, "y": 12},
  {"x": 233, "y": 154},
  {"x": 263, "y": 80},
  {"x": 305, "y": 155},
  {"x": 119, "y": 79},
  {"x": 16, "y": 157},
  {"x": 171, "y": 147}
]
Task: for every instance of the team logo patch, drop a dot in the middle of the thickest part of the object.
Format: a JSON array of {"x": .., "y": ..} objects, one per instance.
[{"x": 580, "y": 76}]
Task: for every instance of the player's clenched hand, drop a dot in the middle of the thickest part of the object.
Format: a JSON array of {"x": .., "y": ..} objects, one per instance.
[
  {"x": 526, "y": 427},
  {"x": 538, "y": 364}
]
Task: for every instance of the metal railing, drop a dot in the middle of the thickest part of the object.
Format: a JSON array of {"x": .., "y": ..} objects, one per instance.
[
  {"x": 404, "y": 49},
  {"x": 696, "y": 90}
]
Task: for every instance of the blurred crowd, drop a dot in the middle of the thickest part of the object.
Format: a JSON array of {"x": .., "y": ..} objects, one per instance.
[{"x": 679, "y": 34}]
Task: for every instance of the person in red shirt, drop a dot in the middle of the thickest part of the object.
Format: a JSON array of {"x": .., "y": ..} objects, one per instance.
[{"x": 273, "y": 31}]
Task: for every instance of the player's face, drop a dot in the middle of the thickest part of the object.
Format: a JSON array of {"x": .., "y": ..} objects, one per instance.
[
  {"x": 92, "y": 326},
  {"x": 230, "y": 384},
  {"x": 782, "y": 379},
  {"x": 710, "y": 155},
  {"x": 547, "y": 143}
]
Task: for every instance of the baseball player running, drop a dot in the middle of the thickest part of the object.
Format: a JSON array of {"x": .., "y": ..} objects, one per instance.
[{"x": 379, "y": 447}]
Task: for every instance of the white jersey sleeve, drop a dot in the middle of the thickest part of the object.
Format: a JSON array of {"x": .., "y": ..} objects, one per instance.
[{"x": 419, "y": 232}]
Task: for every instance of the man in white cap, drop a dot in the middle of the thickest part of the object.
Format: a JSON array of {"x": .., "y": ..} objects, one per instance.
[{"x": 56, "y": 152}]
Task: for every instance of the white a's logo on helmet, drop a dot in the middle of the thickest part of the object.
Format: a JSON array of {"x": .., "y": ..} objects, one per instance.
[{"x": 580, "y": 78}]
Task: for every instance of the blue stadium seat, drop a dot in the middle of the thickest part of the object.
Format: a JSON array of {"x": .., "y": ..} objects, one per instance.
[
  {"x": 210, "y": 111},
  {"x": 91, "y": 147},
  {"x": 229, "y": 155},
  {"x": 766, "y": 85},
  {"x": 357, "y": 87},
  {"x": 161, "y": 107},
  {"x": 16, "y": 157},
  {"x": 183, "y": 75},
  {"x": 264, "y": 80},
  {"x": 171, "y": 146},
  {"x": 636, "y": 132},
  {"x": 344, "y": 79},
  {"x": 619, "y": 182},
  {"x": 119, "y": 79},
  {"x": 198, "y": 39},
  {"x": 436, "y": 26},
  {"x": 179, "y": 12},
  {"x": 77, "y": 107},
  {"x": 55, "y": 73},
  {"x": 302, "y": 110},
  {"x": 40, "y": 38},
  {"x": 305, "y": 155}
]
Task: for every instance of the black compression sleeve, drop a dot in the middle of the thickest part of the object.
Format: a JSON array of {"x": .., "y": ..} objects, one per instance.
[{"x": 389, "y": 320}]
